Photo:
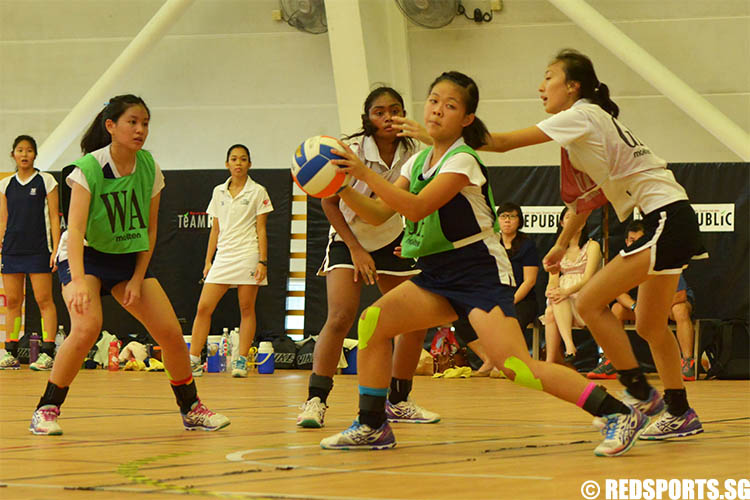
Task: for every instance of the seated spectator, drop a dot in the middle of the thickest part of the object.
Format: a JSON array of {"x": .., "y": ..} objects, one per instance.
[
  {"x": 582, "y": 260},
  {"x": 681, "y": 313}
]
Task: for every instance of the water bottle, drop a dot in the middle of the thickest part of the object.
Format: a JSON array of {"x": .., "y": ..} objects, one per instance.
[
  {"x": 264, "y": 358},
  {"x": 59, "y": 338},
  {"x": 34, "y": 341},
  {"x": 113, "y": 364},
  {"x": 228, "y": 353},
  {"x": 234, "y": 342},
  {"x": 223, "y": 344}
]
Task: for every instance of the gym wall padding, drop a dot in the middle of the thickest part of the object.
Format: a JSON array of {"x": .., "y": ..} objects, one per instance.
[
  {"x": 181, "y": 248},
  {"x": 720, "y": 283}
]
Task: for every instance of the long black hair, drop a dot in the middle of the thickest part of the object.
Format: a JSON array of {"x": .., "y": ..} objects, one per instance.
[
  {"x": 579, "y": 68},
  {"x": 368, "y": 128},
  {"x": 475, "y": 134},
  {"x": 520, "y": 236},
  {"x": 584, "y": 230},
  {"x": 97, "y": 136}
]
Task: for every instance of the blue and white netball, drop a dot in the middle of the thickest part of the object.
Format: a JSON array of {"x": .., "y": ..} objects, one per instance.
[{"x": 312, "y": 170}]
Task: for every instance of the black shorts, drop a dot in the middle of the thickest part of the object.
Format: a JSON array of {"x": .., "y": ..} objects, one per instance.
[
  {"x": 673, "y": 237},
  {"x": 110, "y": 268},
  {"x": 26, "y": 264},
  {"x": 338, "y": 257}
]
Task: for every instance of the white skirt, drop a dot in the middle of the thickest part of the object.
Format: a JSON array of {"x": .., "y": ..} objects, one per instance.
[{"x": 235, "y": 271}]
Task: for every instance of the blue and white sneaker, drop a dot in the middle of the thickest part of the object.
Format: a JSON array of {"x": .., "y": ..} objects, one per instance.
[
  {"x": 669, "y": 426},
  {"x": 650, "y": 407},
  {"x": 361, "y": 437},
  {"x": 239, "y": 367},
  {"x": 620, "y": 433},
  {"x": 409, "y": 412},
  {"x": 201, "y": 418}
]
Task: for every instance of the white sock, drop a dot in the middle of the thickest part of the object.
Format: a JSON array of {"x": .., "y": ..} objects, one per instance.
[{"x": 195, "y": 359}]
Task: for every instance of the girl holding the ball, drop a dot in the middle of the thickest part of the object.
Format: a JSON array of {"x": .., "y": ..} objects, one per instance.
[
  {"x": 238, "y": 209},
  {"x": 452, "y": 229},
  {"x": 362, "y": 253}
]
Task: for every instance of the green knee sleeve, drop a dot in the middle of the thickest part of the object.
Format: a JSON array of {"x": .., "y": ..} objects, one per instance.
[
  {"x": 366, "y": 326},
  {"x": 524, "y": 376}
]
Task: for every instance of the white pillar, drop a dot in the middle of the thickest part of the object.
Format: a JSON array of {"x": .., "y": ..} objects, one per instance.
[
  {"x": 640, "y": 61},
  {"x": 349, "y": 60},
  {"x": 87, "y": 108},
  {"x": 368, "y": 46}
]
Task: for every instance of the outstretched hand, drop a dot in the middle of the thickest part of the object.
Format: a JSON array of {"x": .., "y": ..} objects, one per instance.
[
  {"x": 552, "y": 260},
  {"x": 410, "y": 128}
]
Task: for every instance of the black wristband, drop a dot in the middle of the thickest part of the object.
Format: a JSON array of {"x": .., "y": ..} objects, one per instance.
[{"x": 264, "y": 262}]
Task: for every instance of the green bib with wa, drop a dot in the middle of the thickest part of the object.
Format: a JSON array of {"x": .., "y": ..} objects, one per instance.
[
  {"x": 426, "y": 237},
  {"x": 119, "y": 208}
]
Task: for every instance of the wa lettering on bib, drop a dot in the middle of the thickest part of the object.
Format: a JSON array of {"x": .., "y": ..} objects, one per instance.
[{"x": 119, "y": 208}]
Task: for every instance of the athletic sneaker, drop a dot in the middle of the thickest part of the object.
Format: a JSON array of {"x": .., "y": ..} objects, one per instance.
[
  {"x": 604, "y": 370},
  {"x": 361, "y": 437},
  {"x": 688, "y": 369},
  {"x": 409, "y": 412},
  {"x": 9, "y": 362},
  {"x": 239, "y": 367},
  {"x": 196, "y": 368},
  {"x": 669, "y": 426},
  {"x": 313, "y": 413},
  {"x": 650, "y": 407},
  {"x": 44, "y": 421},
  {"x": 620, "y": 433},
  {"x": 42, "y": 364},
  {"x": 201, "y": 418}
]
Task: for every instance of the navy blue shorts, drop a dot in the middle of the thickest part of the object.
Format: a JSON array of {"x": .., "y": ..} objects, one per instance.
[
  {"x": 468, "y": 278},
  {"x": 110, "y": 268},
  {"x": 27, "y": 264}
]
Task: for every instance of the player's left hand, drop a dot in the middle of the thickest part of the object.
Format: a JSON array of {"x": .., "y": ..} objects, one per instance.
[
  {"x": 132, "y": 292},
  {"x": 350, "y": 162},
  {"x": 52, "y": 262},
  {"x": 552, "y": 260}
]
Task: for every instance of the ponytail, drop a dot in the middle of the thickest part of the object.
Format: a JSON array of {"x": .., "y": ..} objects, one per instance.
[
  {"x": 475, "y": 134},
  {"x": 97, "y": 136},
  {"x": 579, "y": 68}
]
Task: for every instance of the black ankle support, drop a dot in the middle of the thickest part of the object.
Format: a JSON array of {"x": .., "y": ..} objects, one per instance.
[
  {"x": 53, "y": 395},
  {"x": 186, "y": 395},
  {"x": 400, "y": 390},
  {"x": 635, "y": 382},
  {"x": 372, "y": 410},
  {"x": 48, "y": 348},
  {"x": 319, "y": 386},
  {"x": 676, "y": 400}
]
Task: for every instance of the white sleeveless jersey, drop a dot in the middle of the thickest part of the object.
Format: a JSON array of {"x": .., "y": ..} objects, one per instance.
[{"x": 616, "y": 160}]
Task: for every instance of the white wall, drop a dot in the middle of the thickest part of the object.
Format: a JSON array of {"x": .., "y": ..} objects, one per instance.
[{"x": 227, "y": 73}]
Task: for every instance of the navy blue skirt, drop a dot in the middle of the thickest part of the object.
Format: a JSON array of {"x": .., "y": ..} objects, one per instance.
[{"x": 110, "y": 268}]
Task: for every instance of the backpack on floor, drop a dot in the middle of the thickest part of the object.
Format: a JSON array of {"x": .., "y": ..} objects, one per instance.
[
  {"x": 305, "y": 354},
  {"x": 729, "y": 352}
]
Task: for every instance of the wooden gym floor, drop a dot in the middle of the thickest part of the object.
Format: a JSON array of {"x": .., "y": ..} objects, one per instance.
[{"x": 123, "y": 438}]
